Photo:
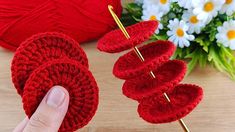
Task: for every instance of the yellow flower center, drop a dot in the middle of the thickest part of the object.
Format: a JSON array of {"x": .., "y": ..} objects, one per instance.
[
  {"x": 153, "y": 17},
  {"x": 163, "y": 1},
  {"x": 231, "y": 34},
  {"x": 193, "y": 19},
  {"x": 209, "y": 6},
  {"x": 228, "y": 2},
  {"x": 180, "y": 32}
]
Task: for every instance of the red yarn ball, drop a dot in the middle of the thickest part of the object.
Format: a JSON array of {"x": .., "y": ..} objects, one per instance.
[{"x": 83, "y": 20}]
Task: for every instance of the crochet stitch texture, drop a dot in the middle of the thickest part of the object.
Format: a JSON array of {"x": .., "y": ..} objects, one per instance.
[
  {"x": 184, "y": 98},
  {"x": 48, "y": 59},
  {"x": 115, "y": 41},
  {"x": 140, "y": 86},
  {"x": 76, "y": 79},
  {"x": 40, "y": 49},
  {"x": 129, "y": 65},
  {"x": 167, "y": 76}
]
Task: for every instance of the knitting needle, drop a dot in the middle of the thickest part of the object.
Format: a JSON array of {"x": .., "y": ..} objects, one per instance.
[{"x": 140, "y": 56}]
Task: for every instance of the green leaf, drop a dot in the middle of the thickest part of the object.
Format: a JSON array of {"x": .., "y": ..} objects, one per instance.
[
  {"x": 193, "y": 62},
  {"x": 218, "y": 23},
  {"x": 203, "y": 42},
  {"x": 136, "y": 19},
  {"x": 212, "y": 35},
  {"x": 220, "y": 60},
  {"x": 178, "y": 54},
  {"x": 160, "y": 36},
  {"x": 132, "y": 6},
  {"x": 202, "y": 59},
  {"x": 228, "y": 52}
]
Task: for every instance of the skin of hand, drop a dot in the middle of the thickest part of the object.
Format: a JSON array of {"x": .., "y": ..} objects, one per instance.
[{"x": 49, "y": 114}]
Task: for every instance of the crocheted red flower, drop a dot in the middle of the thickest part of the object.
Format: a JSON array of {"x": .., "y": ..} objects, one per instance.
[
  {"x": 73, "y": 76},
  {"x": 184, "y": 98},
  {"x": 42, "y": 48},
  {"x": 129, "y": 65},
  {"x": 167, "y": 76},
  {"x": 115, "y": 41}
]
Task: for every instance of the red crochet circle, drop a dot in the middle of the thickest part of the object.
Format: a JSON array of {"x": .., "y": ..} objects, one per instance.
[
  {"x": 39, "y": 49},
  {"x": 129, "y": 65},
  {"x": 184, "y": 98},
  {"x": 167, "y": 76},
  {"x": 115, "y": 41},
  {"x": 73, "y": 76}
]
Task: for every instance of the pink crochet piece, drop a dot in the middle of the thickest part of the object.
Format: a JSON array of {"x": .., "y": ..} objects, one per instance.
[
  {"x": 129, "y": 65},
  {"x": 167, "y": 76},
  {"x": 81, "y": 85},
  {"x": 184, "y": 98},
  {"x": 40, "y": 49},
  {"x": 115, "y": 41}
]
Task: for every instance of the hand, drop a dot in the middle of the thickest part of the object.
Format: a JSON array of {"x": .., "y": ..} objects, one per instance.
[{"x": 49, "y": 114}]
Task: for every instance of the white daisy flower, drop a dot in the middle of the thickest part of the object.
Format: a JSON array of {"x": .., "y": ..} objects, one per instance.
[
  {"x": 153, "y": 13},
  {"x": 207, "y": 9},
  {"x": 228, "y": 7},
  {"x": 187, "y": 4},
  {"x": 194, "y": 24},
  {"x": 163, "y": 5},
  {"x": 178, "y": 33},
  {"x": 226, "y": 34}
]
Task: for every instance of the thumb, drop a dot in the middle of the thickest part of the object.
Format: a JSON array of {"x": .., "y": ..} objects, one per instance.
[{"x": 51, "y": 111}]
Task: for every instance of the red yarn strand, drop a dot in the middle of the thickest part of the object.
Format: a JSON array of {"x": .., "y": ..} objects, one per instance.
[{"x": 82, "y": 20}]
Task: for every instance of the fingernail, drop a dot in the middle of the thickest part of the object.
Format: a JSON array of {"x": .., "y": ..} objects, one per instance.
[{"x": 55, "y": 97}]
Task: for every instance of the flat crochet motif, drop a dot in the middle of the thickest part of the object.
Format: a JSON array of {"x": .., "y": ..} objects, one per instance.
[
  {"x": 167, "y": 76},
  {"x": 48, "y": 59},
  {"x": 129, "y": 65},
  {"x": 40, "y": 49},
  {"x": 146, "y": 89},
  {"x": 79, "y": 82},
  {"x": 184, "y": 98},
  {"x": 115, "y": 41}
]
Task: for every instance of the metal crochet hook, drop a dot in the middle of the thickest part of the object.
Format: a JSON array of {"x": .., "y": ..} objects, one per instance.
[{"x": 140, "y": 56}]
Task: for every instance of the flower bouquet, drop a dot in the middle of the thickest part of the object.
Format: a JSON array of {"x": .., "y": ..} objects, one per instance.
[{"x": 202, "y": 30}]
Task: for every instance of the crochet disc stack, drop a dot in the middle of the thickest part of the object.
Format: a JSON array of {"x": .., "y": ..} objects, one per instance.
[
  {"x": 140, "y": 86},
  {"x": 48, "y": 59}
]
